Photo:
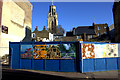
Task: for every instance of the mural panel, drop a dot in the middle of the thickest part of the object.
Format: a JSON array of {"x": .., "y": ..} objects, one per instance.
[
  {"x": 68, "y": 51},
  {"x": 49, "y": 51},
  {"x": 112, "y": 50},
  {"x": 118, "y": 50},
  {"x": 88, "y": 51},
  {"x": 99, "y": 50},
  {"x": 26, "y": 51},
  {"x": 39, "y": 51}
]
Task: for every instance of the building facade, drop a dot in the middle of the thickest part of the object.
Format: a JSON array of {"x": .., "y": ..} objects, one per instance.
[
  {"x": 16, "y": 17},
  {"x": 116, "y": 15},
  {"x": 101, "y": 29},
  {"x": 43, "y": 35},
  {"x": 86, "y": 33}
]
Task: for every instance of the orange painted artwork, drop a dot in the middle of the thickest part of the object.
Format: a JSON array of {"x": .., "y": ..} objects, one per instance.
[
  {"x": 88, "y": 51},
  {"x": 39, "y": 52}
]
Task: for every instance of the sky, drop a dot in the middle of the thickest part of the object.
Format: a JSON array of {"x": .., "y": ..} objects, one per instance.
[{"x": 73, "y": 14}]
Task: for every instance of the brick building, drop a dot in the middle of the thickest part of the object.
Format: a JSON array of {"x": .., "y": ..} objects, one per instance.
[{"x": 89, "y": 32}]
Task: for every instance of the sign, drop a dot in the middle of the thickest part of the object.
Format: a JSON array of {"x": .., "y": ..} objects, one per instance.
[{"x": 4, "y": 29}]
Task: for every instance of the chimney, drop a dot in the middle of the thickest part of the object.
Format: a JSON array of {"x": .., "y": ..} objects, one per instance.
[
  {"x": 44, "y": 27},
  {"x": 73, "y": 30},
  {"x": 93, "y": 23},
  {"x": 36, "y": 28},
  {"x": 85, "y": 36}
]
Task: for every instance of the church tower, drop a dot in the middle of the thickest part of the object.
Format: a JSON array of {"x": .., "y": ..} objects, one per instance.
[{"x": 52, "y": 22}]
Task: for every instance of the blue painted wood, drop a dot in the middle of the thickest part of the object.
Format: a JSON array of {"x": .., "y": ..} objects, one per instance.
[
  {"x": 51, "y": 65},
  {"x": 88, "y": 65},
  {"x": 119, "y": 63},
  {"x": 67, "y": 65},
  {"x": 15, "y": 60},
  {"x": 25, "y": 64},
  {"x": 37, "y": 64},
  {"x": 100, "y": 64},
  {"x": 111, "y": 63}
]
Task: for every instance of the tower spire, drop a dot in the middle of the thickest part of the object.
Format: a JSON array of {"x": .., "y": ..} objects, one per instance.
[{"x": 52, "y": 2}]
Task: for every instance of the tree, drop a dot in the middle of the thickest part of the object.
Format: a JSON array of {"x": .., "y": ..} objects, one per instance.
[{"x": 60, "y": 30}]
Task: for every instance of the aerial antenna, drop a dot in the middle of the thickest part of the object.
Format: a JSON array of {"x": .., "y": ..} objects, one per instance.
[{"x": 52, "y": 2}]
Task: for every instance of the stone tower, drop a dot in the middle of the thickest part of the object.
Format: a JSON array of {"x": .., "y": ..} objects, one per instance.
[{"x": 52, "y": 22}]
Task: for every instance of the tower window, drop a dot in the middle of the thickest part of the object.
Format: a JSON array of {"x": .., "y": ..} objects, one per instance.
[
  {"x": 105, "y": 27},
  {"x": 105, "y": 32},
  {"x": 98, "y": 34},
  {"x": 98, "y": 27}
]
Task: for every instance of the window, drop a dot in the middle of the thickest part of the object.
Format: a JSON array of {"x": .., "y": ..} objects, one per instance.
[
  {"x": 98, "y": 27},
  {"x": 90, "y": 36},
  {"x": 4, "y": 29},
  {"x": 105, "y": 32},
  {"x": 33, "y": 35},
  {"x": 98, "y": 34},
  {"x": 78, "y": 37},
  {"x": 105, "y": 26}
]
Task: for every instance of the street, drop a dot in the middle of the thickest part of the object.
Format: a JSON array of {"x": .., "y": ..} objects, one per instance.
[{"x": 8, "y": 74}]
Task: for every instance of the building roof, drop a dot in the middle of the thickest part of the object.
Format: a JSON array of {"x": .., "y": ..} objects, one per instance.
[
  {"x": 69, "y": 33},
  {"x": 84, "y": 29},
  {"x": 42, "y": 34},
  {"x": 73, "y": 38}
]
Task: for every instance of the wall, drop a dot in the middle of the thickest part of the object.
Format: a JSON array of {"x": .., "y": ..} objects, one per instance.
[
  {"x": 116, "y": 15},
  {"x": 30, "y": 55},
  {"x": 102, "y": 29},
  {"x": 100, "y": 57},
  {"x": 14, "y": 17}
]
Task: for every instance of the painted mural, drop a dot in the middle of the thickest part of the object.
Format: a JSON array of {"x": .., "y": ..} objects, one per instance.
[
  {"x": 88, "y": 51},
  {"x": 99, "y": 50},
  {"x": 26, "y": 51},
  {"x": 51, "y": 51},
  {"x": 39, "y": 51},
  {"x": 118, "y": 50},
  {"x": 68, "y": 51},
  {"x": 111, "y": 50}
]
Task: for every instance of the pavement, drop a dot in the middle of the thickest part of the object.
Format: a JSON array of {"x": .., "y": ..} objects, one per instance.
[{"x": 24, "y": 74}]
